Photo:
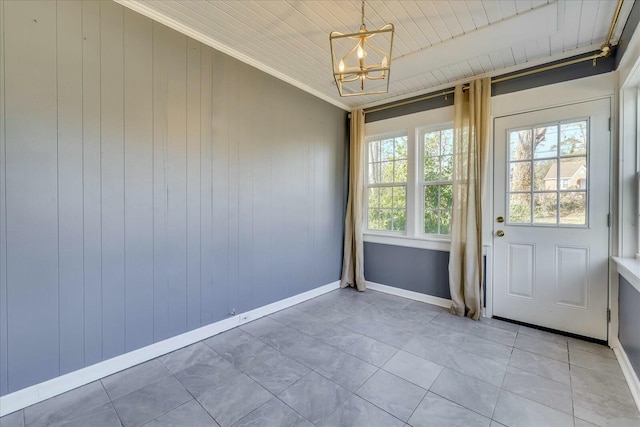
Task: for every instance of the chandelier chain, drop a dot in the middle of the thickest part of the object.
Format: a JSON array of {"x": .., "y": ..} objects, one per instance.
[{"x": 362, "y": 26}]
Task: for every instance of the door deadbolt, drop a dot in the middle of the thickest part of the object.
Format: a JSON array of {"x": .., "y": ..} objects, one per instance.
[
  {"x": 500, "y": 233},
  {"x": 500, "y": 219}
]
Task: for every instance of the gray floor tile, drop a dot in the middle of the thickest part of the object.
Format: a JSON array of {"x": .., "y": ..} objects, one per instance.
[
  {"x": 190, "y": 414},
  {"x": 273, "y": 413},
  {"x": 102, "y": 416},
  {"x": 346, "y": 370},
  {"x": 453, "y": 322},
  {"x": 430, "y": 349},
  {"x": 582, "y": 423},
  {"x": 467, "y": 391},
  {"x": 311, "y": 352},
  {"x": 443, "y": 335},
  {"x": 230, "y": 400},
  {"x": 480, "y": 346},
  {"x": 195, "y": 354},
  {"x": 314, "y": 397},
  {"x": 542, "y": 347},
  {"x": 412, "y": 368},
  {"x": 240, "y": 349},
  {"x": 334, "y": 335},
  {"x": 501, "y": 324},
  {"x": 15, "y": 419},
  {"x": 435, "y": 411},
  {"x": 496, "y": 424},
  {"x": 479, "y": 367},
  {"x": 393, "y": 394},
  {"x": 379, "y": 331},
  {"x": 66, "y": 406},
  {"x": 516, "y": 411},
  {"x": 323, "y": 311},
  {"x": 197, "y": 379},
  {"x": 371, "y": 351},
  {"x": 357, "y": 412},
  {"x": 540, "y": 365},
  {"x": 419, "y": 305},
  {"x": 131, "y": 379},
  {"x": 600, "y": 383},
  {"x": 543, "y": 335},
  {"x": 150, "y": 401},
  {"x": 259, "y": 328},
  {"x": 542, "y": 390},
  {"x": 599, "y": 349},
  {"x": 605, "y": 411},
  {"x": 277, "y": 373},
  {"x": 595, "y": 362},
  {"x": 293, "y": 317},
  {"x": 491, "y": 333}
]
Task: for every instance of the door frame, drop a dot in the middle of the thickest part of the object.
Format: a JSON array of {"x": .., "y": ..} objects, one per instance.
[{"x": 488, "y": 223}]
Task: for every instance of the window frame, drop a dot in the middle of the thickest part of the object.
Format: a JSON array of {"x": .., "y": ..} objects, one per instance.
[{"x": 411, "y": 126}]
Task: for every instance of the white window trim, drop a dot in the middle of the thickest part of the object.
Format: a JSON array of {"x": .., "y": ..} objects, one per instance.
[{"x": 411, "y": 124}]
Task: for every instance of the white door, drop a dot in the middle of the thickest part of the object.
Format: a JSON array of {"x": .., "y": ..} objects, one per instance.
[{"x": 551, "y": 205}]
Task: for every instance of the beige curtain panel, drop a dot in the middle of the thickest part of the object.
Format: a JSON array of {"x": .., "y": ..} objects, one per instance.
[
  {"x": 353, "y": 261},
  {"x": 470, "y": 154}
]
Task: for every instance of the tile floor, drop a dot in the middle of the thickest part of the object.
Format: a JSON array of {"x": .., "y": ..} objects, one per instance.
[{"x": 358, "y": 359}]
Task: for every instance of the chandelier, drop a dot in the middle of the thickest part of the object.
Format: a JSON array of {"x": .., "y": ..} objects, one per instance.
[{"x": 362, "y": 61}]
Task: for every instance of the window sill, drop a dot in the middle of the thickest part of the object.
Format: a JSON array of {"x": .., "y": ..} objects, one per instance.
[
  {"x": 629, "y": 268},
  {"x": 409, "y": 242}
]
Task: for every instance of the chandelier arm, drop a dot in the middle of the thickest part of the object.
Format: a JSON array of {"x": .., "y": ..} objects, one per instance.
[{"x": 376, "y": 48}]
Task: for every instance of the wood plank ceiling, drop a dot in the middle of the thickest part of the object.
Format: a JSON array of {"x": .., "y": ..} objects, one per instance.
[{"x": 437, "y": 43}]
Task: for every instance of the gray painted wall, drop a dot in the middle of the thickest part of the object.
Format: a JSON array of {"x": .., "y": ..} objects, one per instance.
[
  {"x": 419, "y": 270},
  {"x": 150, "y": 185},
  {"x": 629, "y": 322}
]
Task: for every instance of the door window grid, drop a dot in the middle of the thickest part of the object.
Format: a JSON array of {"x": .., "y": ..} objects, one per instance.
[
  {"x": 387, "y": 183},
  {"x": 548, "y": 174}
]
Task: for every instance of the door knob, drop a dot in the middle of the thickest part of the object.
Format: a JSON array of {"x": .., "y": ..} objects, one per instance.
[
  {"x": 500, "y": 233},
  {"x": 500, "y": 219}
]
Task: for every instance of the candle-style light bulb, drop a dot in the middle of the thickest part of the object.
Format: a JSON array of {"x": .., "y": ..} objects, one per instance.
[
  {"x": 341, "y": 66},
  {"x": 360, "y": 51}
]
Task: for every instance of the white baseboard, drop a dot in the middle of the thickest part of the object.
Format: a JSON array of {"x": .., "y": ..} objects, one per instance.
[
  {"x": 28, "y": 396},
  {"x": 429, "y": 299},
  {"x": 627, "y": 370}
]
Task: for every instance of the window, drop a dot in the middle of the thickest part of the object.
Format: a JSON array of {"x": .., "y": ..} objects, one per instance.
[
  {"x": 387, "y": 161},
  {"x": 548, "y": 174},
  {"x": 437, "y": 165}
]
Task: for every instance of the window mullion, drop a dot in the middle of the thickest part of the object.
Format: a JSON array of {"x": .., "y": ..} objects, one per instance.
[{"x": 412, "y": 187}]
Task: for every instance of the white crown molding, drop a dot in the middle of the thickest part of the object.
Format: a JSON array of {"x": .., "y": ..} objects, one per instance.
[
  {"x": 37, "y": 393},
  {"x": 149, "y": 12}
]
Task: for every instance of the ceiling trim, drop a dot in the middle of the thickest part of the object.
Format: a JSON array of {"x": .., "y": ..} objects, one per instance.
[{"x": 143, "y": 9}]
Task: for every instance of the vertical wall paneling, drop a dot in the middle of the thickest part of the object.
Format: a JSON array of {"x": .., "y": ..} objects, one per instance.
[
  {"x": 148, "y": 186},
  {"x": 71, "y": 243},
  {"x": 138, "y": 170},
  {"x": 221, "y": 162},
  {"x": 176, "y": 63},
  {"x": 92, "y": 196},
  {"x": 206, "y": 189},
  {"x": 113, "y": 186},
  {"x": 194, "y": 184},
  {"x": 32, "y": 193},
  {"x": 3, "y": 225},
  {"x": 160, "y": 193},
  {"x": 246, "y": 136}
]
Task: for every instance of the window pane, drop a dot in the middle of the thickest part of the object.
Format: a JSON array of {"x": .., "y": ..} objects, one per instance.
[
  {"x": 520, "y": 176},
  {"x": 520, "y": 208},
  {"x": 430, "y": 196},
  {"x": 386, "y": 149},
  {"x": 399, "y": 198},
  {"x": 431, "y": 221},
  {"x": 445, "y": 222},
  {"x": 573, "y": 208},
  {"x": 374, "y": 219},
  {"x": 374, "y": 151},
  {"x": 545, "y": 141},
  {"x": 385, "y": 219},
  {"x": 520, "y": 144},
  {"x": 386, "y": 172},
  {"x": 386, "y": 197},
  {"x": 545, "y": 208},
  {"x": 446, "y": 196},
  {"x": 446, "y": 142},
  {"x": 446, "y": 168},
  {"x": 545, "y": 174},
  {"x": 431, "y": 168},
  {"x": 374, "y": 198},
  {"x": 400, "y": 171},
  {"x": 573, "y": 172},
  {"x": 374, "y": 173},
  {"x": 399, "y": 219},
  {"x": 431, "y": 144},
  {"x": 573, "y": 138},
  {"x": 401, "y": 148}
]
